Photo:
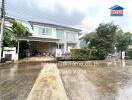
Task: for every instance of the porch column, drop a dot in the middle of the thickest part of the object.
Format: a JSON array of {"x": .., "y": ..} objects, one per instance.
[
  {"x": 78, "y": 42},
  {"x": 58, "y": 46},
  {"x": 65, "y": 47}
]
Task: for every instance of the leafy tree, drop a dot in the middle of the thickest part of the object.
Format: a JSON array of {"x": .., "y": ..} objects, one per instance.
[
  {"x": 123, "y": 40},
  {"x": 8, "y": 42},
  {"x": 16, "y": 30},
  {"x": 107, "y": 33},
  {"x": 88, "y": 37},
  {"x": 102, "y": 40},
  {"x": 19, "y": 30}
]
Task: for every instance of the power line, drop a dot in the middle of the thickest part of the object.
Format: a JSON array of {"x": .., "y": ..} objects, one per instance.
[{"x": 35, "y": 13}]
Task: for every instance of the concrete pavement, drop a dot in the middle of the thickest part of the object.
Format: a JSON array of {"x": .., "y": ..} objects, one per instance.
[{"x": 48, "y": 85}]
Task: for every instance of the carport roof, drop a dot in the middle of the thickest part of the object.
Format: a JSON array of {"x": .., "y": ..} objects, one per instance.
[{"x": 31, "y": 38}]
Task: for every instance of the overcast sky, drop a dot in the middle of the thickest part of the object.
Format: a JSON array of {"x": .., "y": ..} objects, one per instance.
[{"x": 84, "y": 14}]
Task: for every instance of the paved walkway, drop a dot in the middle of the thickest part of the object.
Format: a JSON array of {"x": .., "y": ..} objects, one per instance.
[
  {"x": 48, "y": 85},
  {"x": 37, "y": 59}
]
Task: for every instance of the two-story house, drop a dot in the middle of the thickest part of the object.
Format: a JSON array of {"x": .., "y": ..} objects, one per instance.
[{"x": 49, "y": 37}]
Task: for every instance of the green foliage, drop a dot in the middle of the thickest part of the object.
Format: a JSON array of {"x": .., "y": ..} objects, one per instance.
[
  {"x": 123, "y": 40},
  {"x": 88, "y": 54},
  {"x": 75, "y": 51},
  {"x": 89, "y": 37},
  {"x": 76, "y": 55},
  {"x": 79, "y": 54},
  {"x": 107, "y": 34},
  {"x": 129, "y": 54},
  {"x": 8, "y": 42},
  {"x": 102, "y": 41},
  {"x": 16, "y": 30},
  {"x": 19, "y": 30},
  {"x": 97, "y": 53},
  {"x": 85, "y": 54}
]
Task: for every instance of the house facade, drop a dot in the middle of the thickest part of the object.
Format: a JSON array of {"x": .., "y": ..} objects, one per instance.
[
  {"x": 49, "y": 37},
  {"x": 64, "y": 38}
]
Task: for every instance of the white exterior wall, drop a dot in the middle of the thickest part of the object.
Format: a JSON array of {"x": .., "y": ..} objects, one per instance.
[
  {"x": 54, "y": 34},
  {"x": 78, "y": 42},
  {"x": 63, "y": 42},
  {"x": 11, "y": 51}
]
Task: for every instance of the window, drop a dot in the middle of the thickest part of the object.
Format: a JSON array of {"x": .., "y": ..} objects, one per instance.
[
  {"x": 42, "y": 31},
  {"x": 60, "y": 35},
  {"x": 45, "y": 31},
  {"x": 48, "y": 31},
  {"x": 71, "y": 36}
]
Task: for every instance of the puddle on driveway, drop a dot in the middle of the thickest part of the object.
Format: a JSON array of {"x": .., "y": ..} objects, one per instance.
[
  {"x": 16, "y": 80},
  {"x": 101, "y": 81}
]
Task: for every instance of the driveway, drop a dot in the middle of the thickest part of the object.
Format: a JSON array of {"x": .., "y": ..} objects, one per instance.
[
  {"x": 98, "y": 80},
  {"x": 16, "y": 80}
]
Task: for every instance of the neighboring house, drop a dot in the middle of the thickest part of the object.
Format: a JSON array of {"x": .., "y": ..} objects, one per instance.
[{"x": 49, "y": 37}]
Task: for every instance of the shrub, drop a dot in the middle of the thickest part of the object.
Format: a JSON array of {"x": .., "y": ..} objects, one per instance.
[
  {"x": 75, "y": 51},
  {"x": 129, "y": 54},
  {"x": 85, "y": 54},
  {"x": 80, "y": 54},
  {"x": 97, "y": 54}
]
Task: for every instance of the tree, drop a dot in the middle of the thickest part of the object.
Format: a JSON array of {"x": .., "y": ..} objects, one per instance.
[
  {"x": 8, "y": 42},
  {"x": 16, "y": 30},
  {"x": 123, "y": 40},
  {"x": 19, "y": 30},
  {"x": 107, "y": 33},
  {"x": 88, "y": 37},
  {"x": 103, "y": 40}
]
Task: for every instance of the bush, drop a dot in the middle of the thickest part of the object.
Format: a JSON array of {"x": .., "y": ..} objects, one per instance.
[
  {"x": 129, "y": 54},
  {"x": 98, "y": 54},
  {"x": 80, "y": 54},
  {"x": 76, "y": 58},
  {"x": 85, "y": 54},
  {"x": 75, "y": 51}
]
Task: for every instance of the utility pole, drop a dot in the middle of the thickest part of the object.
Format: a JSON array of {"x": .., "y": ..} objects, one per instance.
[{"x": 2, "y": 26}]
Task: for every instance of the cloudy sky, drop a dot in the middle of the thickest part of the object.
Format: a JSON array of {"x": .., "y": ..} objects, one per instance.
[{"x": 83, "y": 14}]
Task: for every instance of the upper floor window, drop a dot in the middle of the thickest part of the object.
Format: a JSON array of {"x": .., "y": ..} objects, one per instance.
[
  {"x": 60, "y": 34},
  {"x": 71, "y": 36},
  {"x": 45, "y": 31}
]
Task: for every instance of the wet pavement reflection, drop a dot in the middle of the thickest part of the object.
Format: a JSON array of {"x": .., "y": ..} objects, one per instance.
[
  {"x": 16, "y": 80},
  {"x": 98, "y": 81}
]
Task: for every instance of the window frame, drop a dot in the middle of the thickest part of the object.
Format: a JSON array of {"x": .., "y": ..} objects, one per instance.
[{"x": 44, "y": 30}]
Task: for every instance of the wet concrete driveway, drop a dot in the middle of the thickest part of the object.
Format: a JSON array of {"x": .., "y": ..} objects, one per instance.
[
  {"x": 98, "y": 81},
  {"x": 16, "y": 80}
]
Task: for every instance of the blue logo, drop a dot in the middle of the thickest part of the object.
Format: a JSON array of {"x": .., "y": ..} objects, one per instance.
[{"x": 116, "y": 10}]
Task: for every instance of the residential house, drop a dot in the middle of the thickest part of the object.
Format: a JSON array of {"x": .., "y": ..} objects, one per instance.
[{"x": 49, "y": 37}]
